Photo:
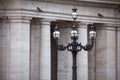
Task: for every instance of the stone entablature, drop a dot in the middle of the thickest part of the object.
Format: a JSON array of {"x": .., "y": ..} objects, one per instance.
[
  {"x": 62, "y": 11},
  {"x": 103, "y": 1}
]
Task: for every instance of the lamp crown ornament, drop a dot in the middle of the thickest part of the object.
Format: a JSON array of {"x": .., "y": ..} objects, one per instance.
[{"x": 74, "y": 14}]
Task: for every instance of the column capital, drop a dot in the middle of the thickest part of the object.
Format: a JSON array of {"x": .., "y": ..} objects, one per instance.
[
  {"x": 82, "y": 25},
  {"x": 4, "y": 19},
  {"x": 118, "y": 28},
  {"x": 46, "y": 21},
  {"x": 19, "y": 19},
  {"x": 39, "y": 21},
  {"x": 86, "y": 23}
]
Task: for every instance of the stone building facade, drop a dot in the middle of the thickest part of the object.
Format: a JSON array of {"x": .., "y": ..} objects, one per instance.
[{"x": 28, "y": 50}]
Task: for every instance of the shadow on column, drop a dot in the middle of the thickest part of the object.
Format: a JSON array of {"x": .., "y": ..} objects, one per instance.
[{"x": 53, "y": 56}]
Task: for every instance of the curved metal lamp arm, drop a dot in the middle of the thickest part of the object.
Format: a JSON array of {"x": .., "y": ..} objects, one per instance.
[
  {"x": 69, "y": 47},
  {"x": 79, "y": 48},
  {"x": 74, "y": 46},
  {"x": 88, "y": 46},
  {"x": 61, "y": 47}
]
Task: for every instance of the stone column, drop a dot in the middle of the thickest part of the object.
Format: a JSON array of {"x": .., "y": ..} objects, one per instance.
[
  {"x": 118, "y": 54},
  {"x": 35, "y": 30},
  {"x": 92, "y": 63},
  {"x": 19, "y": 48},
  {"x": 101, "y": 46},
  {"x": 82, "y": 57},
  {"x": 64, "y": 64},
  {"x": 45, "y": 51},
  {"x": 4, "y": 48},
  {"x": 111, "y": 54},
  {"x": 105, "y": 53}
]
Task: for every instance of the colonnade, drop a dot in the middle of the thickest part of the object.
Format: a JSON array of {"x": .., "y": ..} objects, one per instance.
[{"x": 25, "y": 51}]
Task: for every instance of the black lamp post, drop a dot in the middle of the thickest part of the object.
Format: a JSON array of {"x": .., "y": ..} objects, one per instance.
[{"x": 74, "y": 47}]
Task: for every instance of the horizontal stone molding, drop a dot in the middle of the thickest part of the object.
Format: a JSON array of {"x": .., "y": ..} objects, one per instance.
[
  {"x": 118, "y": 29},
  {"x": 59, "y": 10},
  {"x": 93, "y": 3},
  {"x": 102, "y": 1},
  {"x": 57, "y": 16},
  {"x": 22, "y": 13},
  {"x": 46, "y": 21},
  {"x": 4, "y": 19},
  {"x": 15, "y": 19},
  {"x": 39, "y": 21},
  {"x": 19, "y": 19}
]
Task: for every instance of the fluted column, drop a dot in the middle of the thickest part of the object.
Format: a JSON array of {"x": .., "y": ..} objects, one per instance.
[
  {"x": 19, "y": 48},
  {"x": 45, "y": 50}
]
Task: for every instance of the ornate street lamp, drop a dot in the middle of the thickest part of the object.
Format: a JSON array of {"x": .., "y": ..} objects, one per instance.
[{"x": 74, "y": 47}]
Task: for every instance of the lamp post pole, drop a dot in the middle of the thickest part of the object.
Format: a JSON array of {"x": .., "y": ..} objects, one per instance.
[
  {"x": 74, "y": 47},
  {"x": 74, "y": 67}
]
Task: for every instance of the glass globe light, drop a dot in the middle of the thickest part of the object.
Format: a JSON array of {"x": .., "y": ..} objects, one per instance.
[
  {"x": 56, "y": 33},
  {"x": 92, "y": 33},
  {"x": 74, "y": 34}
]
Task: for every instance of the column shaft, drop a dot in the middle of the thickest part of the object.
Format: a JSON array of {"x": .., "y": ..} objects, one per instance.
[
  {"x": 92, "y": 63},
  {"x": 111, "y": 54},
  {"x": 35, "y": 49},
  {"x": 118, "y": 54},
  {"x": 106, "y": 53},
  {"x": 82, "y": 57},
  {"x": 4, "y": 49},
  {"x": 45, "y": 51},
  {"x": 64, "y": 70},
  {"x": 19, "y": 51}
]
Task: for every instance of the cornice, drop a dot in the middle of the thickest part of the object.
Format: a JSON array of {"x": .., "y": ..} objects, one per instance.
[
  {"x": 89, "y": 3},
  {"x": 19, "y": 19},
  {"x": 102, "y": 1},
  {"x": 95, "y": 1},
  {"x": 16, "y": 14},
  {"x": 15, "y": 19}
]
